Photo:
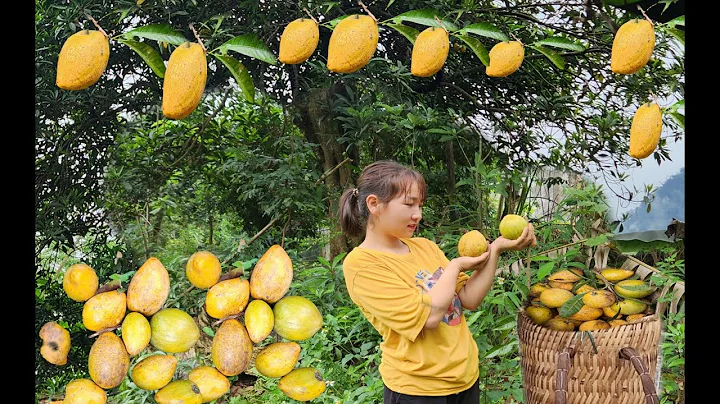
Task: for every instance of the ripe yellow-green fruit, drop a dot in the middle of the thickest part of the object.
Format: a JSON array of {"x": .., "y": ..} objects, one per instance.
[
  {"x": 645, "y": 130},
  {"x": 599, "y": 298},
  {"x": 149, "y": 287},
  {"x": 227, "y": 298},
  {"x": 104, "y": 310},
  {"x": 272, "y": 275},
  {"x": 82, "y": 60},
  {"x": 511, "y": 226},
  {"x": 555, "y": 297},
  {"x": 231, "y": 348},
  {"x": 617, "y": 322},
  {"x": 561, "y": 285},
  {"x": 625, "y": 307},
  {"x": 203, "y": 269},
  {"x": 353, "y": 42},
  {"x": 634, "y": 317},
  {"x": 210, "y": 381},
  {"x": 635, "y": 288},
  {"x": 184, "y": 81},
  {"x": 80, "y": 282},
  {"x": 108, "y": 361},
  {"x": 564, "y": 276},
  {"x": 472, "y": 244},
  {"x": 537, "y": 288},
  {"x": 539, "y": 314},
  {"x": 429, "y": 51},
  {"x": 586, "y": 313},
  {"x": 259, "y": 320},
  {"x": 584, "y": 289},
  {"x": 298, "y": 41},
  {"x": 56, "y": 343},
  {"x": 594, "y": 325},
  {"x": 179, "y": 392},
  {"x": 505, "y": 58},
  {"x": 296, "y": 318},
  {"x": 632, "y": 46},
  {"x": 558, "y": 323},
  {"x": 277, "y": 359},
  {"x": 616, "y": 274},
  {"x": 84, "y": 391},
  {"x": 154, "y": 372},
  {"x": 302, "y": 384},
  {"x": 135, "y": 332},
  {"x": 172, "y": 330}
]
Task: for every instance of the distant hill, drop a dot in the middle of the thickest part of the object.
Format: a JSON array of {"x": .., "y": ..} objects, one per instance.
[{"x": 669, "y": 203}]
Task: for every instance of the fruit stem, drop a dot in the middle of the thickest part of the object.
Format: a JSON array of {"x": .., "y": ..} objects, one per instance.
[
  {"x": 104, "y": 330},
  {"x": 112, "y": 285},
  {"x": 441, "y": 23},
  {"x": 233, "y": 273},
  {"x": 198, "y": 38},
  {"x": 311, "y": 16},
  {"x": 367, "y": 11},
  {"x": 645, "y": 15},
  {"x": 97, "y": 25}
]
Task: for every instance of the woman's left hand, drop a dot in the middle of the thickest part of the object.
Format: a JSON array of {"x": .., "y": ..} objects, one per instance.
[{"x": 526, "y": 239}]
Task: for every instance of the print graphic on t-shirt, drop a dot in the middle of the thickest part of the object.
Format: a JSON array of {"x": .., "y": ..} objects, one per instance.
[{"x": 426, "y": 281}]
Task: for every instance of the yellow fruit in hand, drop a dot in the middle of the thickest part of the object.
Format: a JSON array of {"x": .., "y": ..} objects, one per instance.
[
  {"x": 512, "y": 226},
  {"x": 472, "y": 244}
]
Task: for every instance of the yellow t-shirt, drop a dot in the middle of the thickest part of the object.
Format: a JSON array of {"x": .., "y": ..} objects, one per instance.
[{"x": 391, "y": 292}]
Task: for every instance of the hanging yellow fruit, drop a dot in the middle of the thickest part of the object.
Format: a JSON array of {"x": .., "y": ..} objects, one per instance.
[
  {"x": 82, "y": 60},
  {"x": 352, "y": 43},
  {"x": 505, "y": 58},
  {"x": 184, "y": 81},
  {"x": 298, "y": 41},
  {"x": 632, "y": 46},
  {"x": 645, "y": 130},
  {"x": 429, "y": 52}
]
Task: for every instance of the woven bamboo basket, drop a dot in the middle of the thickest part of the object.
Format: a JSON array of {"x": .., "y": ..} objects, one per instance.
[{"x": 619, "y": 365}]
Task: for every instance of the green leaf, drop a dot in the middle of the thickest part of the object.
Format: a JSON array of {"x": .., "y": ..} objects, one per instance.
[
  {"x": 250, "y": 45},
  {"x": 679, "y": 118},
  {"x": 424, "y": 17},
  {"x": 209, "y": 331},
  {"x": 148, "y": 54},
  {"x": 157, "y": 32},
  {"x": 676, "y": 21},
  {"x": 502, "y": 349},
  {"x": 485, "y": 29},
  {"x": 505, "y": 323},
  {"x": 477, "y": 47},
  {"x": 473, "y": 317},
  {"x": 332, "y": 23},
  {"x": 408, "y": 32},
  {"x": 557, "y": 60},
  {"x": 678, "y": 34},
  {"x": 562, "y": 43},
  {"x": 572, "y": 306},
  {"x": 597, "y": 240},
  {"x": 241, "y": 75},
  {"x": 545, "y": 269}
]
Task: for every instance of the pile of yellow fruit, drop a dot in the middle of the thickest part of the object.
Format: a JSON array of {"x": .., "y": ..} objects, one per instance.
[
  {"x": 566, "y": 300},
  {"x": 159, "y": 333}
]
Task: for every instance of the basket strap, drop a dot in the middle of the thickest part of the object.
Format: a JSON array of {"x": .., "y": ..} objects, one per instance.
[
  {"x": 647, "y": 382},
  {"x": 561, "y": 376}
]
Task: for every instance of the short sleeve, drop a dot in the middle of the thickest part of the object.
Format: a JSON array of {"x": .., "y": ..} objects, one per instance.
[{"x": 389, "y": 300}]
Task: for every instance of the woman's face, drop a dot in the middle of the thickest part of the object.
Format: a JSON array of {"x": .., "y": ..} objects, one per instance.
[{"x": 401, "y": 216}]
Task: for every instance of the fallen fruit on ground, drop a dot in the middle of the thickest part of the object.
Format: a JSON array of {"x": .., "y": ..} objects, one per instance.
[
  {"x": 272, "y": 275},
  {"x": 210, "y": 381},
  {"x": 56, "y": 343},
  {"x": 232, "y": 348},
  {"x": 135, "y": 332},
  {"x": 296, "y": 318},
  {"x": 203, "y": 269},
  {"x": 227, "y": 298},
  {"x": 104, "y": 310},
  {"x": 108, "y": 361},
  {"x": 179, "y": 392},
  {"x": 80, "y": 282},
  {"x": 302, "y": 384},
  {"x": 149, "y": 287},
  {"x": 84, "y": 391},
  {"x": 172, "y": 330},
  {"x": 277, "y": 359},
  {"x": 154, "y": 372},
  {"x": 259, "y": 320}
]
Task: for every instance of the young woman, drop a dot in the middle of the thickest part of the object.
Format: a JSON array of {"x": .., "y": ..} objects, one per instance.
[{"x": 411, "y": 293}]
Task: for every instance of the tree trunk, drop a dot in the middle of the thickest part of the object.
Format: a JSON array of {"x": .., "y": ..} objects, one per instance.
[{"x": 317, "y": 121}]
